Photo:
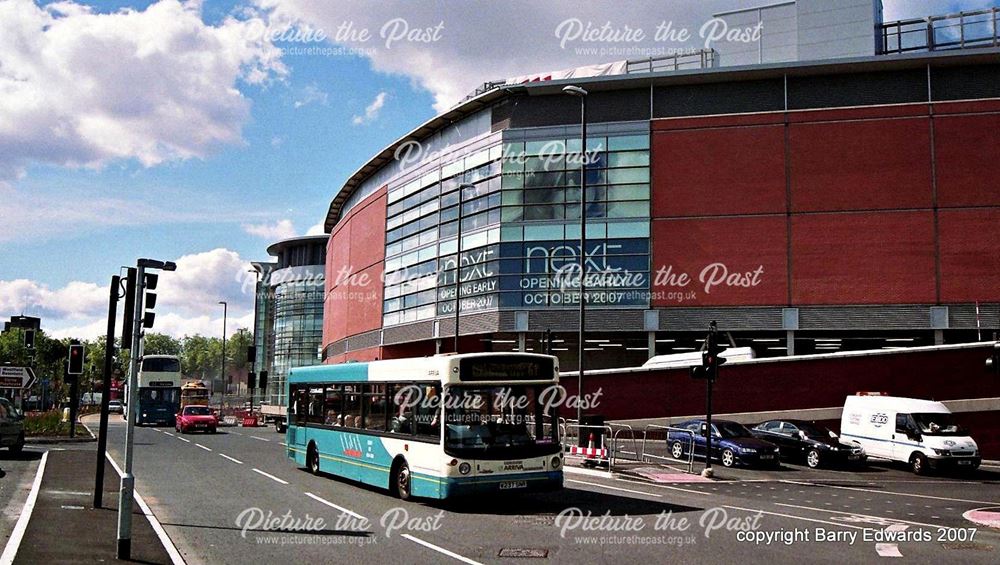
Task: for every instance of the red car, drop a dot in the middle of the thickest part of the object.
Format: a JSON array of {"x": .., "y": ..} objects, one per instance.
[{"x": 196, "y": 418}]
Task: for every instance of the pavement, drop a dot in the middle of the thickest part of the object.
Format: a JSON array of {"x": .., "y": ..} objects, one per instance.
[{"x": 65, "y": 528}]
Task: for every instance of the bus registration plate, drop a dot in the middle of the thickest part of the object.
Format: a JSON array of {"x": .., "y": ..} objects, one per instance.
[{"x": 507, "y": 485}]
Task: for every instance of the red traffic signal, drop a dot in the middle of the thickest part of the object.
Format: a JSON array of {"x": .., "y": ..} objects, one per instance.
[{"x": 76, "y": 355}]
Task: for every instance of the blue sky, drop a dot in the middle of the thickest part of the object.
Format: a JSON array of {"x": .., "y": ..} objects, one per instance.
[{"x": 229, "y": 162}]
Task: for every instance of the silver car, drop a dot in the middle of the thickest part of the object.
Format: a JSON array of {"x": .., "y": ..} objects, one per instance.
[{"x": 11, "y": 426}]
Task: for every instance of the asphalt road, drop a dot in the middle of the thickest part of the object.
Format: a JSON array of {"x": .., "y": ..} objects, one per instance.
[{"x": 200, "y": 485}]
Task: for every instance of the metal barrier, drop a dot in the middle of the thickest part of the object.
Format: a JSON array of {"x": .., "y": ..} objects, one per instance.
[
  {"x": 598, "y": 453},
  {"x": 647, "y": 454},
  {"x": 618, "y": 442}
]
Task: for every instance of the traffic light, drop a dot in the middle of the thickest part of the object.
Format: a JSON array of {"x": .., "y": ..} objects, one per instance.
[
  {"x": 76, "y": 355},
  {"x": 713, "y": 350},
  {"x": 29, "y": 339},
  {"x": 263, "y": 380},
  {"x": 129, "y": 308},
  {"x": 993, "y": 362},
  {"x": 251, "y": 380},
  {"x": 251, "y": 353},
  {"x": 149, "y": 302}
]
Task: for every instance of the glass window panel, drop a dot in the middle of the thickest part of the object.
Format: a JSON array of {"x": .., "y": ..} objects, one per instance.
[
  {"x": 629, "y": 159},
  {"x": 512, "y": 214},
  {"x": 512, "y": 180},
  {"x": 628, "y": 209},
  {"x": 543, "y": 196},
  {"x": 512, "y": 197},
  {"x": 628, "y": 229},
  {"x": 351, "y": 416},
  {"x": 544, "y": 212},
  {"x": 452, "y": 169},
  {"x": 627, "y": 142},
  {"x": 449, "y": 229},
  {"x": 629, "y": 192},
  {"x": 626, "y": 176},
  {"x": 513, "y": 148},
  {"x": 546, "y": 232},
  {"x": 450, "y": 246},
  {"x": 511, "y": 233},
  {"x": 496, "y": 152}
]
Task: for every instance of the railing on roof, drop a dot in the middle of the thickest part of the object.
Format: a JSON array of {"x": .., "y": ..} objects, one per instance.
[
  {"x": 963, "y": 30},
  {"x": 695, "y": 59}
]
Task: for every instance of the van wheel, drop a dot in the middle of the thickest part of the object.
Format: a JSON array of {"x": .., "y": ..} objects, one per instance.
[
  {"x": 312, "y": 459},
  {"x": 401, "y": 481},
  {"x": 812, "y": 458},
  {"x": 728, "y": 458},
  {"x": 918, "y": 464},
  {"x": 677, "y": 450}
]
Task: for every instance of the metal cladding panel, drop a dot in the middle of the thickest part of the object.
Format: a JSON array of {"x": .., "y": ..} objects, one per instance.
[
  {"x": 966, "y": 150},
  {"x": 746, "y": 175},
  {"x": 967, "y": 82},
  {"x": 970, "y": 255},
  {"x": 858, "y": 165},
  {"x": 720, "y": 261},
  {"x": 863, "y": 258},
  {"x": 719, "y": 98},
  {"x": 363, "y": 341},
  {"x": 965, "y": 316},
  {"x": 697, "y": 319},
  {"x": 864, "y": 318},
  {"x": 857, "y": 89},
  {"x": 563, "y": 109},
  {"x": 409, "y": 332}
]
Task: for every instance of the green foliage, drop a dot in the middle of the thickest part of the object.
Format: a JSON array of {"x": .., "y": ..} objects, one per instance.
[
  {"x": 48, "y": 424},
  {"x": 161, "y": 344}
]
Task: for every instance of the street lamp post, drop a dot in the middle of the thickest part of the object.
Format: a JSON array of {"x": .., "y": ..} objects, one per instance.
[
  {"x": 225, "y": 383},
  {"x": 582, "y": 257}
]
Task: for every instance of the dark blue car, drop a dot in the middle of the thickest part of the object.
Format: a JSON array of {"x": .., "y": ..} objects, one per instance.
[{"x": 732, "y": 444}]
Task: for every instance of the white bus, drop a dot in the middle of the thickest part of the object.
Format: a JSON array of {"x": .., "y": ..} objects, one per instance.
[
  {"x": 159, "y": 390},
  {"x": 381, "y": 423}
]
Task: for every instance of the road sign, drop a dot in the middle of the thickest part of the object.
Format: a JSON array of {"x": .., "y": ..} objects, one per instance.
[{"x": 16, "y": 377}]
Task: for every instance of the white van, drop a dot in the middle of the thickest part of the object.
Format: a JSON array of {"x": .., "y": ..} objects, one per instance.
[{"x": 918, "y": 432}]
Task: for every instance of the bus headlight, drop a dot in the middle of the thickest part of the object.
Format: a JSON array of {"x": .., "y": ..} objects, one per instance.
[
  {"x": 465, "y": 468},
  {"x": 556, "y": 462}
]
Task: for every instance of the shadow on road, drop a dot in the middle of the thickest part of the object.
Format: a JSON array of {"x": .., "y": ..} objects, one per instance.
[
  {"x": 552, "y": 503},
  {"x": 322, "y": 532},
  {"x": 26, "y": 455}
]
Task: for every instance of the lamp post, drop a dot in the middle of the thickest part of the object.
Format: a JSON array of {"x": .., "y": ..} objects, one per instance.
[
  {"x": 582, "y": 257},
  {"x": 222, "y": 400},
  {"x": 458, "y": 260}
]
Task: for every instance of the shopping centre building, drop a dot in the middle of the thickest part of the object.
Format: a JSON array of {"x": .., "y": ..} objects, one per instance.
[{"x": 806, "y": 206}]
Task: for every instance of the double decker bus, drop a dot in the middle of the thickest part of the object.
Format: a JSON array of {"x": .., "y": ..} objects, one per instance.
[
  {"x": 433, "y": 427},
  {"x": 194, "y": 393},
  {"x": 159, "y": 390}
]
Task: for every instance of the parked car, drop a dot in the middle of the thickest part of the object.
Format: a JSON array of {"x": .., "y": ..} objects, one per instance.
[
  {"x": 116, "y": 407},
  {"x": 803, "y": 441},
  {"x": 732, "y": 444},
  {"x": 196, "y": 418},
  {"x": 11, "y": 426},
  {"x": 921, "y": 433}
]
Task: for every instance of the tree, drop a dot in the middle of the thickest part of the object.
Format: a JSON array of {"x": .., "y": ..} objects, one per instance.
[
  {"x": 161, "y": 344},
  {"x": 236, "y": 349}
]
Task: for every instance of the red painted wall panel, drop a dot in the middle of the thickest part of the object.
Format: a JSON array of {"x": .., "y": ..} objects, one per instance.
[
  {"x": 752, "y": 250},
  {"x": 874, "y": 164},
  {"x": 968, "y": 168},
  {"x": 364, "y": 300},
  {"x": 718, "y": 171},
  {"x": 368, "y": 235},
  {"x": 970, "y": 257},
  {"x": 863, "y": 258}
]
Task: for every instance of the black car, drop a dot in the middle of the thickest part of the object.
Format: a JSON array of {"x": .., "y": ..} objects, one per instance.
[
  {"x": 805, "y": 441},
  {"x": 732, "y": 444}
]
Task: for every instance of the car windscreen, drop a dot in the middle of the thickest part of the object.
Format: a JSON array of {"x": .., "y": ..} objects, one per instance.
[
  {"x": 198, "y": 411},
  {"x": 814, "y": 431},
  {"x": 497, "y": 422},
  {"x": 939, "y": 423},
  {"x": 732, "y": 429}
]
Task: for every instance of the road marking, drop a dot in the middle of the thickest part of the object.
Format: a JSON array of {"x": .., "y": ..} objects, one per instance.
[
  {"x": 587, "y": 472},
  {"x": 170, "y": 434},
  {"x": 184, "y": 440},
  {"x": 442, "y": 550},
  {"x": 668, "y": 487},
  {"x": 281, "y": 443},
  {"x": 332, "y": 505},
  {"x": 793, "y": 516},
  {"x": 270, "y": 476},
  {"x": 890, "y": 549},
  {"x": 598, "y": 485},
  {"x": 231, "y": 459},
  {"x": 896, "y": 493},
  {"x": 896, "y": 520},
  {"x": 260, "y": 438},
  {"x": 168, "y": 545},
  {"x": 10, "y": 551},
  {"x": 203, "y": 447}
]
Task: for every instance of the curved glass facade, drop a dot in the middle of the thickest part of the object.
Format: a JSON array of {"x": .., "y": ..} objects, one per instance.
[{"x": 298, "y": 331}]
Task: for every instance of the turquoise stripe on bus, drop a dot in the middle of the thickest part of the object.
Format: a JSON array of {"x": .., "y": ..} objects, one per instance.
[{"x": 329, "y": 373}]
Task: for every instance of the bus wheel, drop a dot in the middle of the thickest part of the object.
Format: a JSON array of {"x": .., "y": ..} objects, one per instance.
[
  {"x": 312, "y": 459},
  {"x": 401, "y": 481}
]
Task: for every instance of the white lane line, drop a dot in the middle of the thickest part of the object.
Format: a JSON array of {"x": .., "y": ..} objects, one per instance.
[
  {"x": 588, "y": 472},
  {"x": 270, "y": 476},
  {"x": 668, "y": 487},
  {"x": 169, "y": 434},
  {"x": 598, "y": 485},
  {"x": 441, "y": 550},
  {"x": 231, "y": 459},
  {"x": 184, "y": 440},
  {"x": 283, "y": 444},
  {"x": 793, "y": 516},
  {"x": 890, "y": 549},
  {"x": 896, "y": 493},
  {"x": 203, "y": 447},
  {"x": 260, "y": 438},
  {"x": 897, "y": 520},
  {"x": 10, "y": 551},
  {"x": 175, "y": 556},
  {"x": 332, "y": 505}
]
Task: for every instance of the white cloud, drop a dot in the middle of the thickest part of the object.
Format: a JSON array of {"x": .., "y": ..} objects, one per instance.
[
  {"x": 81, "y": 89},
  {"x": 371, "y": 111},
  {"x": 317, "y": 229},
  {"x": 188, "y": 299},
  {"x": 311, "y": 94},
  {"x": 282, "y": 229}
]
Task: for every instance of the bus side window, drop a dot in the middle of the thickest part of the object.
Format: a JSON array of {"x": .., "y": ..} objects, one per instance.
[
  {"x": 427, "y": 415},
  {"x": 352, "y": 406},
  {"x": 375, "y": 407},
  {"x": 400, "y": 415},
  {"x": 334, "y": 406}
]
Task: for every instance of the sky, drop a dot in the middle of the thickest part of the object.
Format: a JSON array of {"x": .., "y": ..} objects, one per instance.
[{"x": 203, "y": 131}]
